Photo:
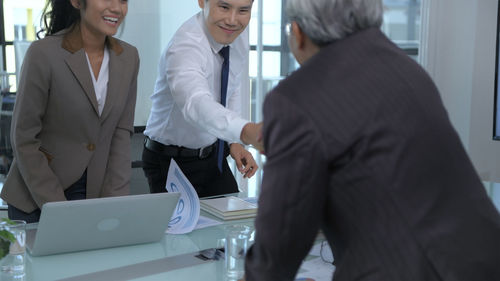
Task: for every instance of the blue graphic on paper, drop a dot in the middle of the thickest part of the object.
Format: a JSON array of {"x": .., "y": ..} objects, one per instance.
[
  {"x": 177, "y": 216},
  {"x": 187, "y": 212}
]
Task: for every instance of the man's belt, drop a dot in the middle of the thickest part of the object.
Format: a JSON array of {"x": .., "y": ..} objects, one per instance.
[{"x": 178, "y": 151}]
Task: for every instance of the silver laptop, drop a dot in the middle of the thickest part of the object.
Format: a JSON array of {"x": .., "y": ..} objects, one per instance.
[{"x": 78, "y": 225}]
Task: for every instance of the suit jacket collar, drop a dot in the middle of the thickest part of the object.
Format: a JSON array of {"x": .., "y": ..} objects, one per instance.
[{"x": 77, "y": 62}]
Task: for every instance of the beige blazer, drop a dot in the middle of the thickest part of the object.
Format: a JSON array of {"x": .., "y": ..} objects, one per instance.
[{"x": 57, "y": 132}]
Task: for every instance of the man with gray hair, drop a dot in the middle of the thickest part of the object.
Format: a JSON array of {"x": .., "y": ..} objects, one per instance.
[{"x": 359, "y": 145}]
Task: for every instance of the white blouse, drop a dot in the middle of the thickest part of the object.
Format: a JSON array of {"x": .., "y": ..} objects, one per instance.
[{"x": 101, "y": 83}]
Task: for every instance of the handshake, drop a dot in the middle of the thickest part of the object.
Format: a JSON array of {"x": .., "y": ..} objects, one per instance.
[{"x": 252, "y": 135}]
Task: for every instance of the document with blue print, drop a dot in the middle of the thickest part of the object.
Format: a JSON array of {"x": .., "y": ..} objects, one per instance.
[{"x": 186, "y": 216}]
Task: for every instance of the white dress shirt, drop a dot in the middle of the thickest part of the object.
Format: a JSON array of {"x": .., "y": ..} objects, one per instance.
[
  {"x": 101, "y": 83},
  {"x": 186, "y": 109}
]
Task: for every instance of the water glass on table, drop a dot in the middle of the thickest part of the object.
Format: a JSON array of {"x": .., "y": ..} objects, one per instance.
[
  {"x": 237, "y": 243},
  {"x": 14, "y": 262}
]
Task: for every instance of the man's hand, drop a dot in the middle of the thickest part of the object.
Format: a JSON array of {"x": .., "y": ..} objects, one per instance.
[
  {"x": 252, "y": 134},
  {"x": 244, "y": 160}
]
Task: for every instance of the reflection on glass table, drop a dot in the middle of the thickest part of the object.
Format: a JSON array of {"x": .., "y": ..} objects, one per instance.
[{"x": 173, "y": 258}]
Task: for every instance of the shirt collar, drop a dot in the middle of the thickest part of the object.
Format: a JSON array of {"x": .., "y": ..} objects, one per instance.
[
  {"x": 72, "y": 40},
  {"x": 216, "y": 47}
]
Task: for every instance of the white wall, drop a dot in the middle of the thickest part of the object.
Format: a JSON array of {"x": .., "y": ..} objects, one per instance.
[
  {"x": 149, "y": 26},
  {"x": 173, "y": 14},
  {"x": 484, "y": 151},
  {"x": 459, "y": 53}
]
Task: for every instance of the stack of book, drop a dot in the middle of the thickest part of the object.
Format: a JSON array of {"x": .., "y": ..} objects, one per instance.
[{"x": 229, "y": 208}]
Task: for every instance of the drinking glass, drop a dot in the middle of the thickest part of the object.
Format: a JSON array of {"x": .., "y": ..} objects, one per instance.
[
  {"x": 14, "y": 262},
  {"x": 237, "y": 238}
]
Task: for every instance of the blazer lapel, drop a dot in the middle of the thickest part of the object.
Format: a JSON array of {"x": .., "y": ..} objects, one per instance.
[
  {"x": 116, "y": 85},
  {"x": 78, "y": 64}
]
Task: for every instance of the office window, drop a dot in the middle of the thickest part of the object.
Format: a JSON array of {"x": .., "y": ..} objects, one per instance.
[
  {"x": 271, "y": 60},
  {"x": 270, "y": 57},
  {"x": 20, "y": 19},
  {"x": 402, "y": 22}
]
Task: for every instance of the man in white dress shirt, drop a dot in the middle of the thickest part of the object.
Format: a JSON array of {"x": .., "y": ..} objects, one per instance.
[{"x": 196, "y": 103}]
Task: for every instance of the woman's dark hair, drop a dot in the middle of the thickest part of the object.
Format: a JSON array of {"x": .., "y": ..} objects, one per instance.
[{"x": 58, "y": 15}]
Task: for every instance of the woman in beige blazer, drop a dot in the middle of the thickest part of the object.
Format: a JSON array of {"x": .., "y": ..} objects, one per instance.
[{"x": 74, "y": 112}]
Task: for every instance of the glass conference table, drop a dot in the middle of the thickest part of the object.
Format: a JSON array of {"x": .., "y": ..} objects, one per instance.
[{"x": 173, "y": 258}]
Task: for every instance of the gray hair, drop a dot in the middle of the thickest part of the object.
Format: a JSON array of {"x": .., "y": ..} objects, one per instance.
[{"x": 326, "y": 21}]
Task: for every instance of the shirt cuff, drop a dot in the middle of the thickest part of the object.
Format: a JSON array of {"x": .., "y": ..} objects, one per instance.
[{"x": 235, "y": 128}]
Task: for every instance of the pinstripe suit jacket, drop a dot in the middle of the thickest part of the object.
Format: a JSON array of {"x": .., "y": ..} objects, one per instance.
[
  {"x": 359, "y": 145},
  {"x": 57, "y": 132}
]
